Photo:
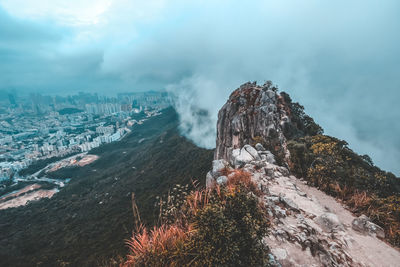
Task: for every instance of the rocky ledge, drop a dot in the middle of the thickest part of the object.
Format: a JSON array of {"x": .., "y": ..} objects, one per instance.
[{"x": 308, "y": 227}]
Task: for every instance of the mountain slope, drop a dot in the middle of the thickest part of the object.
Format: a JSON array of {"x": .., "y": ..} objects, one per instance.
[
  {"x": 266, "y": 200},
  {"x": 87, "y": 222},
  {"x": 288, "y": 142}
]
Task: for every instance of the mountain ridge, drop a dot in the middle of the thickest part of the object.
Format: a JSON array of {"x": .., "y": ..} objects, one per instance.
[{"x": 267, "y": 135}]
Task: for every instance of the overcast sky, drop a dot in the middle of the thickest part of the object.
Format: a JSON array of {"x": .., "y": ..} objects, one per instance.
[{"x": 340, "y": 59}]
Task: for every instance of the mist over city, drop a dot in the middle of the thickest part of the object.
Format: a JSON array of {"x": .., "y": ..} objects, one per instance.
[
  {"x": 87, "y": 87},
  {"x": 203, "y": 49}
]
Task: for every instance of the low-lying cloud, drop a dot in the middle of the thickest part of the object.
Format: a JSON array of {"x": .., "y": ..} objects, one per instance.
[{"x": 340, "y": 59}]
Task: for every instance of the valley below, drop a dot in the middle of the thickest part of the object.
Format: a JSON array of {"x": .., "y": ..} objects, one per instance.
[
  {"x": 34, "y": 190},
  {"x": 86, "y": 221}
]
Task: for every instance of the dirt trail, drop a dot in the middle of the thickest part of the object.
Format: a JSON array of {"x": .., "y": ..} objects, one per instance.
[
  {"x": 347, "y": 246},
  {"x": 30, "y": 196}
]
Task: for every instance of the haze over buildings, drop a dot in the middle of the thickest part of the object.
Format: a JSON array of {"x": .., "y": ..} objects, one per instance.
[
  {"x": 340, "y": 59},
  {"x": 53, "y": 127}
]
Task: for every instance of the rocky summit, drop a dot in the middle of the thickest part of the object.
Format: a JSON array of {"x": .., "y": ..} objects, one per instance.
[
  {"x": 252, "y": 113},
  {"x": 308, "y": 227}
]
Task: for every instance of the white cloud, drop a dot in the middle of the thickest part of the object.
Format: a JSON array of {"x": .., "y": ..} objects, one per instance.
[
  {"x": 81, "y": 13},
  {"x": 339, "y": 58},
  {"x": 72, "y": 12}
]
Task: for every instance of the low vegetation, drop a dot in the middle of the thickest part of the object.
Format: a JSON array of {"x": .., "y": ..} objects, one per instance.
[
  {"x": 301, "y": 124},
  {"x": 218, "y": 226},
  {"x": 327, "y": 163}
]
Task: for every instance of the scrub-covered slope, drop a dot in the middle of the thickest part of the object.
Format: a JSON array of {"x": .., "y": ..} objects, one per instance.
[
  {"x": 265, "y": 134},
  {"x": 87, "y": 222}
]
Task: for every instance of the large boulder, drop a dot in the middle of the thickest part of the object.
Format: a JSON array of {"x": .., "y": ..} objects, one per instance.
[
  {"x": 364, "y": 225},
  {"x": 259, "y": 147},
  {"x": 252, "y": 151},
  {"x": 241, "y": 157},
  {"x": 218, "y": 166},
  {"x": 267, "y": 156},
  {"x": 209, "y": 179}
]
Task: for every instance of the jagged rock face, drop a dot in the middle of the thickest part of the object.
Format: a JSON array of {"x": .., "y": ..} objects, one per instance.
[{"x": 252, "y": 114}]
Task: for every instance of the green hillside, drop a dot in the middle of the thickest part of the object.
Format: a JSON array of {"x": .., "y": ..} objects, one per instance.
[{"x": 87, "y": 222}]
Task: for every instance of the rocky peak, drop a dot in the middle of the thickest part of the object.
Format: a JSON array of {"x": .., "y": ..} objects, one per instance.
[
  {"x": 253, "y": 114},
  {"x": 308, "y": 227}
]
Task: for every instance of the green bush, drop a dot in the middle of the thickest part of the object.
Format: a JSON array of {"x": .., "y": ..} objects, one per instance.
[
  {"x": 229, "y": 232},
  {"x": 222, "y": 226},
  {"x": 301, "y": 124},
  {"x": 327, "y": 163}
]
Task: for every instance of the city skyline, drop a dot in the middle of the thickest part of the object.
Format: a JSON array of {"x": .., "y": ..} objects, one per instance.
[
  {"x": 41, "y": 127},
  {"x": 339, "y": 59}
]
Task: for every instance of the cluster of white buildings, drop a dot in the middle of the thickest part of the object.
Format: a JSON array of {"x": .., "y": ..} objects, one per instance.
[
  {"x": 103, "y": 139},
  {"x": 103, "y": 108},
  {"x": 8, "y": 169},
  {"x": 44, "y": 127}
]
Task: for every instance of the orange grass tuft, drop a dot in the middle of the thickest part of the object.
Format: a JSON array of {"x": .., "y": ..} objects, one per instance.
[
  {"x": 161, "y": 242},
  {"x": 165, "y": 245},
  {"x": 359, "y": 200},
  {"x": 240, "y": 177}
]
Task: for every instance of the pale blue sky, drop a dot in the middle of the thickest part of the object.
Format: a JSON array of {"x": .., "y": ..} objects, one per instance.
[{"x": 339, "y": 58}]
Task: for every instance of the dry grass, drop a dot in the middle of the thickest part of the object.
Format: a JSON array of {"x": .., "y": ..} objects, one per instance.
[
  {"x": 156, "y": 245},
  {"x": 240, "y": 177},
  {"x": 359, "y": 200},
  {"x": 383, "y": 211},
  {"x": 342, "y": 192},
  {"x": 165, "y": 245},
  {"x": 198, "y": 199},
  {"x": 386, "y": 212}
]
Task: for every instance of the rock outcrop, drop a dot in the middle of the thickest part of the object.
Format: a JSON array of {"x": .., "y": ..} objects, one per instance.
[
  {"x": 364, "y": 225},
  {"x": 253, "y": 114},
  {"x": 308, "y": 227}
]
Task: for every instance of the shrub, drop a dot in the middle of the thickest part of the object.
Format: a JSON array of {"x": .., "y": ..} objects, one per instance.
[
  {"x": 171, "y": 204},
  {"x": 242, "y": 178},
  {"x": 301, "y": 124},
  {"x": 161, "y": 246},
  {"x": 229, "y": 231},
  {"x": 327, "y": 163},
  {"x": 219, "y": 226}
]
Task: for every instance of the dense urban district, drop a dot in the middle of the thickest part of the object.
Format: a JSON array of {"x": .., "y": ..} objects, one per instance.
[{"x": 44, "y": 133}]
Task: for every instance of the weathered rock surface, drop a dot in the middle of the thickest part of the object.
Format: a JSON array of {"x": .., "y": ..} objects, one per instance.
[
  {"x": 251, "y": 114},
  {"x": 218, "y": 167},
  {"x": 329, "y": 222},
  {"x": 364, "y": 225}
]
